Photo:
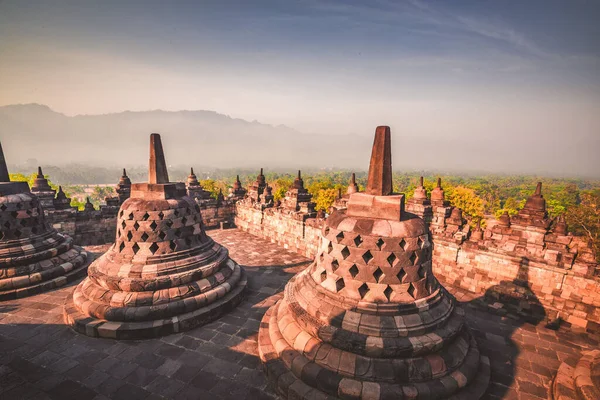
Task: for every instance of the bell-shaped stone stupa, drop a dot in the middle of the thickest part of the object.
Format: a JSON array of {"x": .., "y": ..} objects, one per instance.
[
  {"x": 368, "y": 319},
  {"x": 34, "y": 257},
  {"x": 163, "y": 274}
]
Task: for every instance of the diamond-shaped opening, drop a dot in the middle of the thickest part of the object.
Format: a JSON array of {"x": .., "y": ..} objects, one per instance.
[
  {"x": 135, "y": 248},
  {"x": 178, "y": 233},
  {"x": 422, "y": 272},
  {"x": 19, "y": 205},
  {"x": 329, "y": 247},
  {"x": 123, "y": 224},
  {"x": 380, "y": 243},
  {"x": 153, "y": 225},
  {"x": 339, "y": 236},
  {"x": 367, "y": 257},
  {"x": 176, "y": 213},
  {"x": 363, "y": 290},
  {"x": 353, "y": 270},
  {"x": 172, "y": 245},
  {"x": 145, "y": 217},
  {"x": 153, "y": 248},
  {"x": 183, "y": 220},
  {"x": 358, "y": 240},
  {"x": 162, "y": 235},
  {"x": 388, "y": 292},
  {"x": 136, "y": 225},
  {"x": 121, "y": 214},
  {"x": 3, "y": 207},
  {"x": 377, "y": 274},
  {"x": 335, "y": 265},
  {"x": 411, "y": 290},
  {"x": 161, "y": 215},
  {"x": 121, "y": 246},
  {"x": 413, "y": 258},
  {"x": 392, "y": 259},
  {"x": 169, "y": 223},
  {"x": 144, "y": 236},
  {"x": 130, "y": 216},
  {"x": 339, "y": 284},
  {"x": 129, "y": 235},
  {"x": 345, "y": 252},
  {"x": 420, "y": 243},
  {"x": 327, "y": 229},
  {"x": 401, "y": 275},
  {"x": 403, "y": 244},
  {"x": 323, "y": 276}
]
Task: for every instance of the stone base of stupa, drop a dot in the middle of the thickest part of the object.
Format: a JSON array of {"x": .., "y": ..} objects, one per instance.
[
  {"x": 322, "y": 371},
  {"x": 33, "y": 257},
  {"x": 581, "y": 382},
  {"x": 178, "y": 315}
]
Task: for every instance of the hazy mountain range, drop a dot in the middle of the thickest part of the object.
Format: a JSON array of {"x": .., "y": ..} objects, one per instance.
[{"x": 209, "y": 139}]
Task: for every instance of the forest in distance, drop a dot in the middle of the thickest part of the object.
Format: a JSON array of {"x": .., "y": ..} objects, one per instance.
[{"x": 481, "y": 197}]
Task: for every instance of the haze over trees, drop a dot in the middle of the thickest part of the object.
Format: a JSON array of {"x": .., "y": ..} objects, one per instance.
[{"x": 208, "y": 140}]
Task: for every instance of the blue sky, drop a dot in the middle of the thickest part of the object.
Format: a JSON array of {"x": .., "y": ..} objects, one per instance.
[{"x": 458, "y": 68}]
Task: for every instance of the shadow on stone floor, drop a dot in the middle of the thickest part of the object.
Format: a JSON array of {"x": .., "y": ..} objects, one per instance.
[
  {"x": 42, "y": 358},
  {"x": 498, "y": 343}
]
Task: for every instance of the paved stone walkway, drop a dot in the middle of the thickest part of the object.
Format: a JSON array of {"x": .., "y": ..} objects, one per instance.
[{"x": 40, "y": 358}]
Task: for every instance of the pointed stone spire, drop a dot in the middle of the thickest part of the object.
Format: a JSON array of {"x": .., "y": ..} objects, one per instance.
[
  {"x": 62, "y": 202},
  {"x": 192, "y": 180},
  {"x": 4, "y": 177},
  {"x": 420, "y": 192},
  {"x": 437, "y": 194},
  {"x": 88, "y": 205},
  {"x": 60, "y": 194},
  {"x": 561, "y": 225},
  {"x": 352, "y": 187},
  {"x": 124, "y": 172},
  {"x": 379, "y": 182},
  {"x": 538, "y": 189},
  {"x": 40, "y": 184},
  {"x": 298, "y": 182},
  {"x": 157, "y": 169}
]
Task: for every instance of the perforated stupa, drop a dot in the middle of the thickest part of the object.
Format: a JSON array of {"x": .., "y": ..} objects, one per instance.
[
  {"x": 368, "y": 319},
  {"x": 163, "y": 274}
]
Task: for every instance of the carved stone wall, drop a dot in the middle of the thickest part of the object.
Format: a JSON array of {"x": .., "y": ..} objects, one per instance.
[
  {"x": 296, "y": 231},
  {"x": 98, "y": 226},
  {"x": 565, "y": 280}
]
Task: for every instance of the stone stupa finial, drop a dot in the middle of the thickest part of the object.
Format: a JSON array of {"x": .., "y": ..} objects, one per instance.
[
  {"x": 439, "y": 183},
  {"x": 538, "y": 189},
  {"x": 379, "y": 182},
  {"x": 157, "y": 170},
  {"x": 421, "y": 182},
  {"x": 40, "y": 173},
  {"x": 4, "y": 177}
]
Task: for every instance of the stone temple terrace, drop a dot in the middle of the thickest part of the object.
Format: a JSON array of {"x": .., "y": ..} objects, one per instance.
[{"x": 165, "y": 292}]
